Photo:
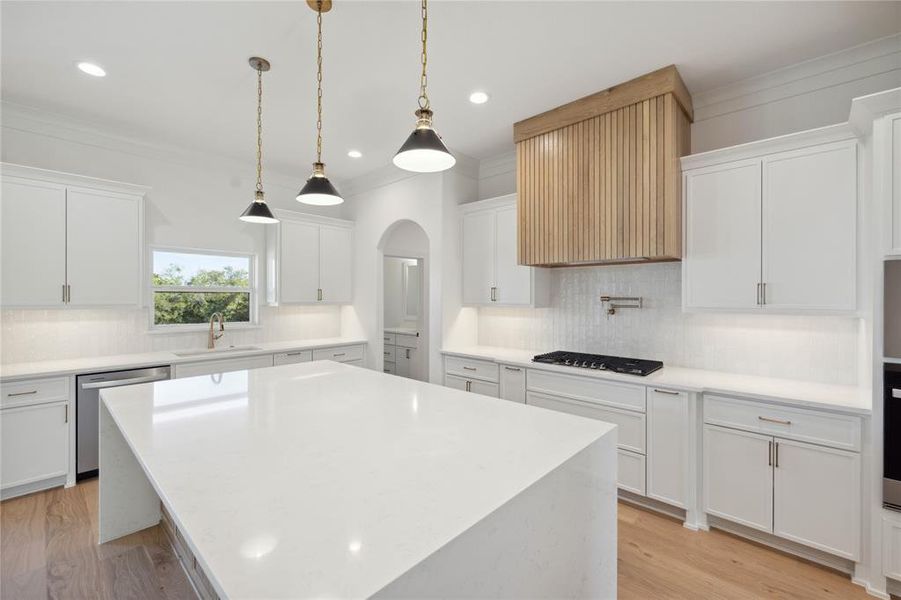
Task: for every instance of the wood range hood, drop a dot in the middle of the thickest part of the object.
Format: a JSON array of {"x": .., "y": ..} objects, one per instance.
[{"x": 598, "y": 180}]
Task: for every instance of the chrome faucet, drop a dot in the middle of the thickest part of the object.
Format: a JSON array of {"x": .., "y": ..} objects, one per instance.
[{"x": 216, "y": 316}]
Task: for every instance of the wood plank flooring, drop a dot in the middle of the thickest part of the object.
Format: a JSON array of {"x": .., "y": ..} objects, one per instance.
[{"x": 48, "y": 549}]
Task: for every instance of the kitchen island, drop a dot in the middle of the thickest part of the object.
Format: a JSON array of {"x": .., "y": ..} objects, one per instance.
[{"x": 326, "y": 480}]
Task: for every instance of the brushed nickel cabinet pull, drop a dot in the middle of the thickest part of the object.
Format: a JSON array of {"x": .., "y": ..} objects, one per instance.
[
  {"x": 769, "y": 456},
  {"x": 667, "y": 392},
  {"x": 776, "y": 454},
  {"x": 339, "y": 354},
  {"x": 67, "y": 413},
  {"x": 23, "y": 393},
  {"x": 494, "y": 294},
  {"x": 763, "y": 293},
  {"x": 387, "y": 353},
  {"x": 293, "y": 353},
  {"x": 469, "y": 368},
  {"x": 772, "y": 420},
  {"x": 64, "y": 292},
  {"x": 516, "y": 369},
  {"x": 68, "y": 293},
  {"x": 408, "y": 353},
  {"x": 468, "y": 386},
  {"x": 387, "y": 339},
  {"x": 319, "y": 294},
  {"x": 759, "y": 296}
]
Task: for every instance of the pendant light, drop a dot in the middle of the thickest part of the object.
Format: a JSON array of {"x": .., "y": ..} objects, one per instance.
[
  {"x": 424, "y": 152},
  {"x": 258, "y": 211},
  {"x": 319, "y": 190}
]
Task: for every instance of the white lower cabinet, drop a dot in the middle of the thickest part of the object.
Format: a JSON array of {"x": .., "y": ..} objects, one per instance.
[
  {"x": 816, "y": 497},
  {"x": 803, "y": 492},
  {"x": 222, "y": 366},
  {"x": 486, "y": 388},
  {"x": 631, "y": 471},
  {"x": 343, "y": 354},
  {"x": 34, "y": 444},
  {"x": 291, "y": 358},
  {"x": 668, "y": 451},
  {"x": 403, "y": 360},
  {"x": 891, "y": 546},
  {"x": 513, "y": 383},
  {"x": 738, "y": 476}
]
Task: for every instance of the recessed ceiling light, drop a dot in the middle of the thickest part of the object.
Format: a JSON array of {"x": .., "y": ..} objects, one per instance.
[
  {"x": 354, "y": 153},
  {"x": 478, "y": 97},
  {"x": 91, "y": 69}
]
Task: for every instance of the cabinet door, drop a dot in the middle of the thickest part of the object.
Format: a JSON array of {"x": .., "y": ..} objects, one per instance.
[
  {"x": 211, "y": 367},
  {"x": 721, "y": 268},
  {"x": 103, "y": 248},
  {"x": 336, "y": 264},
  {"x": 403, "y": 358},
  {"x": 299, "y": 257},
  {"x": 892, "y": 164},
  {"x": 471, "y": 385},
  {"x": 738, "y": 477},
  {"x": 668, "y": 456},
  {"x": 478, "y": 257},
  {"x": 34, "y": 443},
  {"x": 513, "y": 383},
  {"x": 32, "y": 243},
  {"x": 513, "y": 282},
  {"x": 292, "y": 358},
  {"x": 817, "y": 497},
  {"x": 809, "y": 228}
]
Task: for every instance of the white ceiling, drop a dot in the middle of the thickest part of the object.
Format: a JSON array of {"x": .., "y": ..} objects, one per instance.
[{"x": 177, "y": 71}]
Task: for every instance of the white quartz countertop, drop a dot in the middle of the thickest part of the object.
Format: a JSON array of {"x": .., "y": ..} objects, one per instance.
[
  {"x": 844, "y": 398},
  {"x": 323, "y": 480},
  {"x": 96, "y": 364}
]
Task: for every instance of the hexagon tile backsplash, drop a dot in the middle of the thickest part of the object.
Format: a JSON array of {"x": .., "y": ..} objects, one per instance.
[{"x": 813, "y": 348}]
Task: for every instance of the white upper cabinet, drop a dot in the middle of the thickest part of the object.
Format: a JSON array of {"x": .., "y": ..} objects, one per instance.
[
  {"x": 810, "y": 228},
  {"x": 309, "y": 260},
  {"x": 69, "y": 240},
  {"x": 722, "y": 244},
  {"x": 102, "y": 258},
  {"x": 491, "y": 273},
  {"x": 32, "y": 243},
  {"x": 772, "y": 226}
]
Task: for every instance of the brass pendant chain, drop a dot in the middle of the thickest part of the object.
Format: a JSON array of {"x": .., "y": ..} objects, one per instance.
[
  {"x": 424, "y": 80},
  {"x": 319, "y": 84},
  {"x": 260, "y": 131}
]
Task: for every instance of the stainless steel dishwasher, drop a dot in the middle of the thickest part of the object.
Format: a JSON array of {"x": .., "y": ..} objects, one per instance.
[{"x": 87, "y": 414}]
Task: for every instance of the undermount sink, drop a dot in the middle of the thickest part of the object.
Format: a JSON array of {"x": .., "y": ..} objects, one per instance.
[{"x": 224, "y": 350}]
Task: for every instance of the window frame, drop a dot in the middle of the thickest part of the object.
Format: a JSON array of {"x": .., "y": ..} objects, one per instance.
[{"x": 252, "y": 289}]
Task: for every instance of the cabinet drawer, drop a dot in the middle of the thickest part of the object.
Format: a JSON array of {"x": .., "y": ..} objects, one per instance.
[
  {"x": 630, "y": 472},
  {"x": 474, "y": 385},
  {"x": 891, "y": 547},
  {"x": 389, "y": 368},
  {"x": 630, "y": 424},
  {"x": 407, "y": 341},
  {"x": 826, "y": 429},
  {"x": 631, "y": 397},
  {"x": 469, "y": 368},
  {"x": 36, "y": 391},
  {"x": 389, "y": 339},
  {"x": 290, "y": 358},
  {"x": 513, "y": 383},
  {"x": 210, "y": 367},
  {"x": 390, "y": 353},
  {"x": 340, "y": 354}
]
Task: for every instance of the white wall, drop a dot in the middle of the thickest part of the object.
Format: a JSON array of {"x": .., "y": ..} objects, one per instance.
[
  {"x": 430, "y": 201},
  {"x": 194, "y": 202}
]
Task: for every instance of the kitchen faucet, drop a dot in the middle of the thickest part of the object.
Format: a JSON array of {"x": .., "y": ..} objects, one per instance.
[{"x": 216, "y": 316}]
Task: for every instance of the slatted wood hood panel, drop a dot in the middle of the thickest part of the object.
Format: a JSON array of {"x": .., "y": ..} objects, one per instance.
[{"x": 599, "y": 179}]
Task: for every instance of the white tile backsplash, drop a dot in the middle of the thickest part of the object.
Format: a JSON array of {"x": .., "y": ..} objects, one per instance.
[
  {"x": 814, "y": 348},
  {"x": 30, "y": 335}
]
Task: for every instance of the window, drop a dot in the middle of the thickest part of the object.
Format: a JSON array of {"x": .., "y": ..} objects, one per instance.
[{"x": 189, "y": 286}]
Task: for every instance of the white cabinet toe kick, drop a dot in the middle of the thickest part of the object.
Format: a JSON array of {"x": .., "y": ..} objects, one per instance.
[{"x": 788, "y": 476}]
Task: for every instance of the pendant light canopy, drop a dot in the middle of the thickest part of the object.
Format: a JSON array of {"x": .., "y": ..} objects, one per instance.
[
  {"x": 258, "y": 211},
  {"x": 318, "y": 190},
  {"x": 424, "y": 152}
]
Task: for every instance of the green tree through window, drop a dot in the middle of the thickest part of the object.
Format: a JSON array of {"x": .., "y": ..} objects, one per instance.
[{"x": 188, "y": 288}]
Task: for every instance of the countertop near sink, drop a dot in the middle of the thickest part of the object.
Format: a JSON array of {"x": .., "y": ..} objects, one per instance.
[
  {"x": 844, "y": 398},
  {"x": 47, "y": 368}
]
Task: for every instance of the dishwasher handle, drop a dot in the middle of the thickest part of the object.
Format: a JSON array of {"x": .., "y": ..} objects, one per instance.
[{"x": 100, "y": 385}]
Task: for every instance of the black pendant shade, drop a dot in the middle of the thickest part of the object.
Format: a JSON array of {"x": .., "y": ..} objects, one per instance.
[
  {"x": 423, "y": 151},
  {"x": 258, "y": 212},
  {"x": 318, "y": 190}
]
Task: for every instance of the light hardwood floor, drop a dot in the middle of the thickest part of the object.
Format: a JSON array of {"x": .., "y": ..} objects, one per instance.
[{"x": 48, "y": 549}]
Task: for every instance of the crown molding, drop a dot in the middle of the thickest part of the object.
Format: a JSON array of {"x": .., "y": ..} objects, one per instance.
[
  {"x": 303, "y": 217},
  {"x": 71, "y": 179},
  {"x": 782, "y": 143},
  {"x": 24, "y": 118},
  {"x": 878, "y": 57},
  {"x": 866, "y": 109}
]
